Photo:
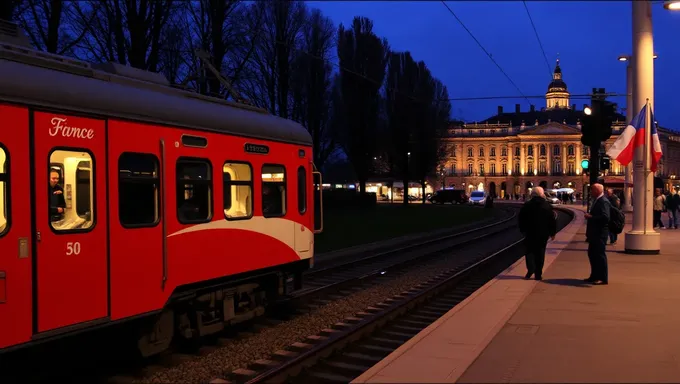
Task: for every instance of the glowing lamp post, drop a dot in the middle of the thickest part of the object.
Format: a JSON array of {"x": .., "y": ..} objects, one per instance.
[{"x": 672, "y": 5}]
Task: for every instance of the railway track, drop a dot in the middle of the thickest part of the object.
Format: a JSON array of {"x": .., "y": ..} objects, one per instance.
[
  {"x": 318, "y": 282},
  {"x": 323, "y": 286},
  {"x": 350, "y": 347}
]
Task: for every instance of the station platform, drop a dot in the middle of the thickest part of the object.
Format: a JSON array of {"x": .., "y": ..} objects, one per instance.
[{"x": 559, "y": 330}]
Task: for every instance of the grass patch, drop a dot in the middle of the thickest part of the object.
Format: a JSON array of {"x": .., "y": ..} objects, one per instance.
[{"x": 350, "y": 227}]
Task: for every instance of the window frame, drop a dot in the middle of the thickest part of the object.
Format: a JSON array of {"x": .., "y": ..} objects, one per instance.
[
  {"x": 285, "y": 186},
  {"x": 144, "y": 180},
  {"x": 250, "y": 183},
  {"x": 94, "y": 191},
  {"x": 211, "y": 199},
  {"x": 302, "y": 192},
  {"x": 5, "y": 180},
  {"x": 76, "y": 183}
]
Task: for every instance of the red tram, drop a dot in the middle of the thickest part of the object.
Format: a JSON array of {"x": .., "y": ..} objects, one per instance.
[{"x": 124, "y": 198}]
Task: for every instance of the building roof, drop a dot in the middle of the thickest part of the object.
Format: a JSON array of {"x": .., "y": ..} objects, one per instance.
[{"x": 561, "y": 115}]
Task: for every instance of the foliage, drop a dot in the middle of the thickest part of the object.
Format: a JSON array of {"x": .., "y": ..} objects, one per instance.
[
  {"x": 278, "y": 55},
  {"x": 363, "y": 57}
]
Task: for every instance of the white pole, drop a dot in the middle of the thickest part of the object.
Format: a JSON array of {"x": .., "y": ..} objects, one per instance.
[
  {"x": 627, "y": 188},
  {"x": 642, "y": 239},
  {"x": 648, "y": 132}
]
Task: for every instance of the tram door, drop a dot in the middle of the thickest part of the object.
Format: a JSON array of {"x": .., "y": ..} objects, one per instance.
[
  {"x": 70, "y": 218},
  {"x": 15, "y": 228}
]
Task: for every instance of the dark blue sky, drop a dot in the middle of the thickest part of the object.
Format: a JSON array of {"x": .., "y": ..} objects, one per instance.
[{"x": 589, "y": 36}]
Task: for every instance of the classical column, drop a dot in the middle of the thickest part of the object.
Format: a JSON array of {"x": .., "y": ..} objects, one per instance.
[
  {"x": 577, "y": 151},
  {"x": 459, "y": 159},
  {"x": 642, "y": 239},
  {"x": 548, "y": 159},
  {"x": 522, "y": 159},
  {"x": 511, "y": 159},
  {"x": 564, "y": 158}
]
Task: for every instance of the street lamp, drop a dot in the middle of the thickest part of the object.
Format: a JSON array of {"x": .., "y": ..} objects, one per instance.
[
  {"x": 587, "y": 110},
  {"x": 672, "y": 5},
  {"x": 628, "y": 178}
]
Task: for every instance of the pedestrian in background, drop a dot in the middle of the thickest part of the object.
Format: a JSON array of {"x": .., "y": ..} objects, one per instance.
[
  {"x": 659, "y": 207},
  {"x": 616, "y": 203},
  {"x": 673, "y": 203},
  {"x": 537, "y": 222},
  {"x": 597, "y": 231}
]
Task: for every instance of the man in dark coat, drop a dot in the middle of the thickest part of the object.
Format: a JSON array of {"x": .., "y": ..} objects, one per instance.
[
  {"x": 57, "y": 201},
  {"x": 537, "y": 222},
  {"x": 597, "y": 231},
  {"x": 616, "y": 203}
]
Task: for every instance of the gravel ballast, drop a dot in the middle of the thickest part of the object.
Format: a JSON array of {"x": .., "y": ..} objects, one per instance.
[{"x": 240, "y": 352}]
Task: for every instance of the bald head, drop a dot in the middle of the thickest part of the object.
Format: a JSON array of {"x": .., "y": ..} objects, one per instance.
[
  {"x": 597, "y": 189},
  {"x": 538, "y": 191}
]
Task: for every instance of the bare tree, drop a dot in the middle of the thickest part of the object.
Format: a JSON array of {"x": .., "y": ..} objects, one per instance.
[
  {"x": 311, "y": 83},
  {"x": 220, "y": 29},
  {"x": 267, "y": 83},
  {"x": 175, "y": 55},
  {"x": 363, "y": 57},
  {"x": 428, "y": 146},
  {"x": 10, "y": 8},
  {"x": 401, "y": 110},
  {"x": 47, "y": 24},
  {"x": 127, "y": 32}
]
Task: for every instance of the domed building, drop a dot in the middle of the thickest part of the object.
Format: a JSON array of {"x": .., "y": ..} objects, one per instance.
[
  {"x": 511, "y": 152},
  {"x": 557, "y": 95}
]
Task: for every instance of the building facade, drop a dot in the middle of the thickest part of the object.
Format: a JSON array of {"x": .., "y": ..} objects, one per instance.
[{"x": 510, "y": 153}]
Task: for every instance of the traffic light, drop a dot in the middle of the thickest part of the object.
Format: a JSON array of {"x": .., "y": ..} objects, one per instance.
[
  {"x": 604, "y": 163},
  {"x": 585, "y": 165},
  {"x": 596, "y": 127}
]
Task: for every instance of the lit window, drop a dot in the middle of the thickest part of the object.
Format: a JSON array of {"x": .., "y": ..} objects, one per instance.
[
  {"x": 138, "y": 189},
  {"x": 273, "y": 190},
  {"x": 302, "y": 189},
  {"x": 238, "y": 190},
  {"x": 71, "y": 190},
  {"x": 194, "y": 191},
  {"x": 4, "y": 197}
]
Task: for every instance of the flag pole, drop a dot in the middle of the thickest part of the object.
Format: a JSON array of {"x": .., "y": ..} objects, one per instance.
[{"x": 648, "y": 140}]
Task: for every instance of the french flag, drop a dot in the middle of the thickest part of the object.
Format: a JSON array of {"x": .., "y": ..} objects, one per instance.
[{"x": 623, "y": 149}]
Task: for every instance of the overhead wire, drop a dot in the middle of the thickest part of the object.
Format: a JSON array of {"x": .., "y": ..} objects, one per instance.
[
  {"x": 354, "y": 73},
  {"x": 484, "y": 49},
  {"x": 537, "y": 37}
]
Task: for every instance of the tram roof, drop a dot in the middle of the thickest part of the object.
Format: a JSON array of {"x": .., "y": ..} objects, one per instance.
[{"x": 52, "y": 81}]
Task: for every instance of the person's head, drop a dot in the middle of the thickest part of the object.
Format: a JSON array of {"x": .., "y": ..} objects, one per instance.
[
  {"x": 54, "y": 178},
  {"x": 538, "y": 192},
  {"x": 596, "y": 189},
  {"x": 657, "y": 192},
  {"x": 610, "y": 191}
]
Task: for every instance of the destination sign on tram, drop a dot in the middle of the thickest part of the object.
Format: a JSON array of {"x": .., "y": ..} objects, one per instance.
[{"x": 256, "y": 148}]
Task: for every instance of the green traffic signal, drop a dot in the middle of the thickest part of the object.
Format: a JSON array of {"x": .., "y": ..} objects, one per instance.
[{"x": 584, "y": 164}]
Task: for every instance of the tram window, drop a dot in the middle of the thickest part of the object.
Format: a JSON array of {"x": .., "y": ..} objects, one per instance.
[
  {"x": 138, "y": 190},
  {"x": 302, "y": 189},
  {"x": 71, "y": 190},
  {"x": 273, "y": 190},
  {"x": 4, "y": 197},
  {"x": 194, "y": 191},
  {"x": 238, "y": 190}
]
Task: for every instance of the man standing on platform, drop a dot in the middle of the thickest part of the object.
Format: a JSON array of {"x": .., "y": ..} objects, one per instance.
[
  {"x": 616, "y": 203},
  {"x": 597, "y": 230},
  {"x": 537, "y": 222}
]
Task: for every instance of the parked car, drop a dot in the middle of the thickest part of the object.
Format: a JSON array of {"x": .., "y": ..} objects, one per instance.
[
  {"x": 448, "y": 196},
  {"x": 477, "y": 198}
]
